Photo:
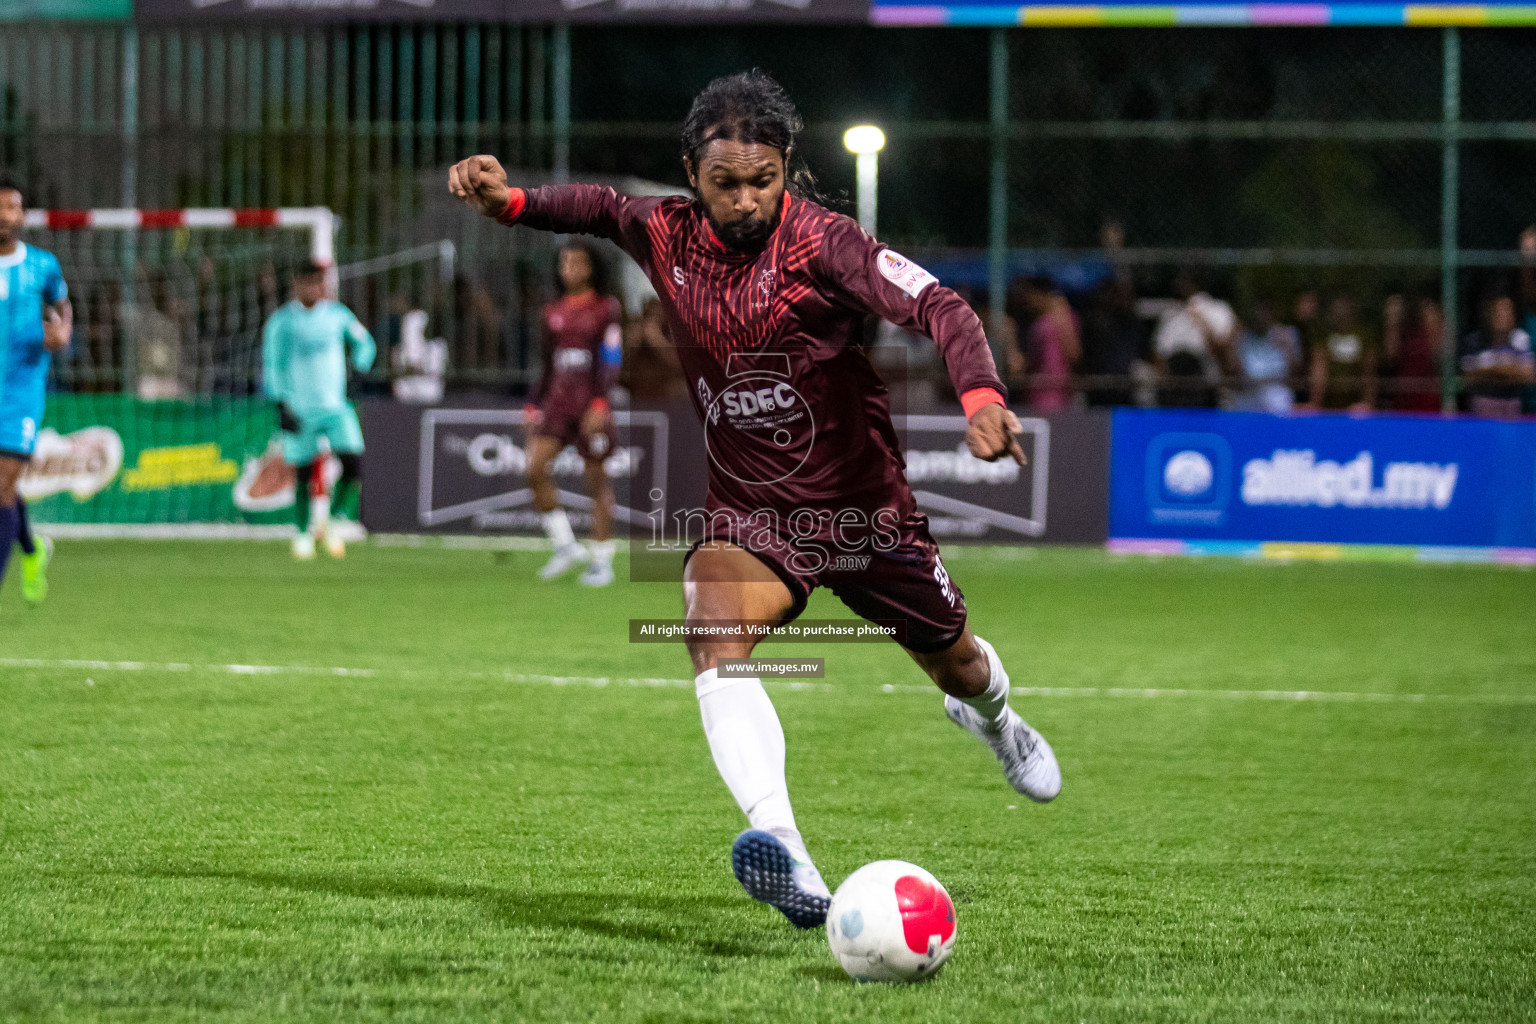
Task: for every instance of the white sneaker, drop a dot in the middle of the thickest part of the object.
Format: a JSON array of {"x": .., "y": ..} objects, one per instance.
[
  {"x": 771, "y": 874},
  {"x": 303, "y": 546},
  {"x": 349, "y": 530},
  {"x": 1028, "y": 761},
  {"x": 598, "y": 574},
  {"x": 564, "y": 560},
  {"x": 334, "y": 545}
]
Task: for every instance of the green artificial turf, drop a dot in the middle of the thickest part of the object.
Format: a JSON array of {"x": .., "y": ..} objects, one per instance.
[{"x": 438, "y": 840}]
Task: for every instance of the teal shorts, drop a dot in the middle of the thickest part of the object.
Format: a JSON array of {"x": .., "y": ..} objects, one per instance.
[{"x": 339, "y": 427}]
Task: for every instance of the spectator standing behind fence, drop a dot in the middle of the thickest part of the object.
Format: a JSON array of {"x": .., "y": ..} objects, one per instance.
[
  {"x": 156, "y": 329},
  {"x": 1527, "y": 298},
  {"x": 479, "y": 332},
  {"x": 1112, "y": 341},
  {"x": 1307, "y": 317},
  {"x": 1344, "y": 362},
  {"x": 104, "y": 323},
  {"x": 1193, "y": 340},
  {"x": 1498, "y": 365},
  {"x": 1267, "y": 354},
  {"x": 652, "y": 371},
  {"x": 1411, "y": 346},
  {"x": 1051, "y": 346}
]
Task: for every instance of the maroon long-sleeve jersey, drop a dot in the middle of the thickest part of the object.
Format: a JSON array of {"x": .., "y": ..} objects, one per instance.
[{"x": 796, "y": 420}]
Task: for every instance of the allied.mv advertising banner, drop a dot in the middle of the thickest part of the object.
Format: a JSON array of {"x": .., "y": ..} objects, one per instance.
[{"x": 1339, "y": 479}]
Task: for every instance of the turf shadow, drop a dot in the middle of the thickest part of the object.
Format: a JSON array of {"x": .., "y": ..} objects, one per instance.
[{"x": 692, "y": 917}]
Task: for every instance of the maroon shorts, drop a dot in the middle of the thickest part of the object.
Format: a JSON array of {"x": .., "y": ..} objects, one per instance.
[
  {"x": 907, "y": 583},
  {"x": 560, "y": 418}
]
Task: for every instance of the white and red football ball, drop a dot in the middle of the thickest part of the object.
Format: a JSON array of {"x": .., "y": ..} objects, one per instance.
[{"x": 891, "y": 921}]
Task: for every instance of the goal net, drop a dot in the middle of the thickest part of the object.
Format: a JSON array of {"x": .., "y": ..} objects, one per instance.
[{"x": 155, "y": 418}]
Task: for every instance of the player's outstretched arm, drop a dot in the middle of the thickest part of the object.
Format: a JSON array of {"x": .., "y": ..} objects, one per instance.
[
  {"x": 274, "y": 358},
  {"x": 873, "y": 278},
  {"x": 480, "y": 183}
]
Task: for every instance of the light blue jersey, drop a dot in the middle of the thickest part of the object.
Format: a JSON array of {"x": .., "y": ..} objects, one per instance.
[
  {"x": 304, "y": 355},
  {"x": 30, "y": 279}
]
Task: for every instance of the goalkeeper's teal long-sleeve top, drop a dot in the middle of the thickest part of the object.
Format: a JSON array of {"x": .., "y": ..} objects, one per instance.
[{"x": 304, "y": 355}]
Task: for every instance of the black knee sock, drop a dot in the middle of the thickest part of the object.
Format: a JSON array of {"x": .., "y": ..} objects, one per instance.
[
  {"x": 301, "y": 478},
  {"x": 345, "y": 500},
  {"x": 24, "y": 529},
  {"x": 7, "y": 535}
]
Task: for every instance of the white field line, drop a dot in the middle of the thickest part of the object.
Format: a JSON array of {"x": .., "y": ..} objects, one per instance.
[
  {"x": 1335, "y": 696},
  {"x": 1144, "y": 693}
]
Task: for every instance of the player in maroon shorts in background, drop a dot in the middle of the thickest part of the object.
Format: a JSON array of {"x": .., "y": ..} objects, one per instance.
[
  {"x": 765, "y": 292},
  {"x": 583, "y": 347}
]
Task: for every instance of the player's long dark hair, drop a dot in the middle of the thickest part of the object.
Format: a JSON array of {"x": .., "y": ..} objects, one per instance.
[
  {"x": 749, "y": 107},
  {"x": 600, "y": 282}
]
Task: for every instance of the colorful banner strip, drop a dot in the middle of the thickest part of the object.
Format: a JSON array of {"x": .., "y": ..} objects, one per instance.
[
  {"x": 1106, "y": 15},
  {"x": 1295, "y": 551}
]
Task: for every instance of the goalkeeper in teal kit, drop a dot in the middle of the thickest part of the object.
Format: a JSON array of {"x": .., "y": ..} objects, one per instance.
[{"x": 304, "y": 362}]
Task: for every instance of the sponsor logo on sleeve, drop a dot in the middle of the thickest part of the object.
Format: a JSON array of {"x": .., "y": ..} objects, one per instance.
[{"x": 903, "y": 273}]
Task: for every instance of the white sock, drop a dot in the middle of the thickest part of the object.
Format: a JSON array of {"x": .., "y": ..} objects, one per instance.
[
  {"x": 993, "y": 701},
  {"x": 748, "y": 746},
  {"x": 602, "y": 551},
  {"x": 558, "y": 529},
  {"x": 319, "y": 514}
]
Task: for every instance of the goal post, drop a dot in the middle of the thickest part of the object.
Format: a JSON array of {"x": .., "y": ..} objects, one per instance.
[
  {"x": 156, "y": 424},
  {"x": 318, "y": 221}
]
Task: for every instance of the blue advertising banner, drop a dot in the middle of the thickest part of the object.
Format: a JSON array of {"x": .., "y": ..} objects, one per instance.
[{"x": 1205, "y": 480}]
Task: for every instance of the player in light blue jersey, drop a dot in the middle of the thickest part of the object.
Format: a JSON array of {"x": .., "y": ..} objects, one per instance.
[
  {"x": 35, "y": 322},
  {"x": 304, "y": 361}
]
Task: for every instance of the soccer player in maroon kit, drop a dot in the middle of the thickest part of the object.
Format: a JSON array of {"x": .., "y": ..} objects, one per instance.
[
  {"x": 765, "y": 293},
  {"x": 583, "y": 348}
]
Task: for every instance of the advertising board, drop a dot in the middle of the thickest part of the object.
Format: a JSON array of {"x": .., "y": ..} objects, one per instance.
[
  {"x": 1327, "y": 479},
  {"x": 463, "y": 470}
]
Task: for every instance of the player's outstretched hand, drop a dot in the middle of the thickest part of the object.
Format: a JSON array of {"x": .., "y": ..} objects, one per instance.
[
  {"x": 481, "y": 183},
  {"x": 994, "y": 432}
]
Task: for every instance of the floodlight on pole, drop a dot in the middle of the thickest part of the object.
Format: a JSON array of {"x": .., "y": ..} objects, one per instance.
[{"x": 865, "y": 141}]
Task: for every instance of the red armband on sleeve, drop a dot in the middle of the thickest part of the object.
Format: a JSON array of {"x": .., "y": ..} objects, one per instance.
[
  {"x": 517, "y": 199},
  {"x": 974, "y": 399},
  {"x": 600, "y": 404}
]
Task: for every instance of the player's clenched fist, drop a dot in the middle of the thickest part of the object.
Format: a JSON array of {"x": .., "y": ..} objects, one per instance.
[
  {"x": 481, "y": 183},
  {"x": 994, "y": 432}
]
